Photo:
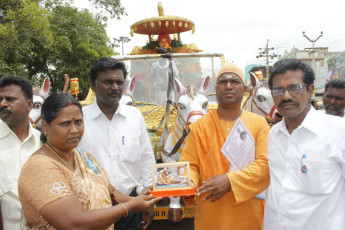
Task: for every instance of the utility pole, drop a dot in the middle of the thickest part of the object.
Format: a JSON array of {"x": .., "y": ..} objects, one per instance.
[
  {"x": 123, "y": 40},
  {"x": 313, "y": 47},
  {"x": 265, "y": 53}
]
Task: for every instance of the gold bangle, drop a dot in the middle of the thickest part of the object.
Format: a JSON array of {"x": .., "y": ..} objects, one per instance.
[{"x": 125, "y": 209}]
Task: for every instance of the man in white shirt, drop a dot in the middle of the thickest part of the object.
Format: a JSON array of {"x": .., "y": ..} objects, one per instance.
[
  {"x": 334, "y": 97},
  {"x": 115, "y": 134},
  {"x": 18, "y": 141},
  {"x": 306, "y": 156}
]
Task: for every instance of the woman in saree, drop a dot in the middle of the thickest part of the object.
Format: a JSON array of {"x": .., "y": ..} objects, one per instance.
[{"x": 63, "y": 187}]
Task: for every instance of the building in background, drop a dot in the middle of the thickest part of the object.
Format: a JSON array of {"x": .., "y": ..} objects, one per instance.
[{"x": 316, "y": 58}]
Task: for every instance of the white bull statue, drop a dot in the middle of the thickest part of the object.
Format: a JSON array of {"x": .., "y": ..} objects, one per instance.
[
  {"x": 127, "y": 96},
  {"x": 40, "y": 94},
  {"x": 260, "y": 101},
  {"x": 192, "y": 105}
]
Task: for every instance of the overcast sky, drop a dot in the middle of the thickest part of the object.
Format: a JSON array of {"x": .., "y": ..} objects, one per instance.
[{"x": 239, "y": 28}]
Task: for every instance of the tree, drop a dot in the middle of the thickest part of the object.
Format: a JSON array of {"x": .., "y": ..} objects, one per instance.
[
  {"x": 105, "y": 8},
  {"x": 23, "y": 25},
  {"x": 51, "y": 37},
  {"x": 79, "y": 40}
]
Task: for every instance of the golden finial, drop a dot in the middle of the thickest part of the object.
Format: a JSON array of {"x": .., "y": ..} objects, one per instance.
[{"x": 160, "y": 9}]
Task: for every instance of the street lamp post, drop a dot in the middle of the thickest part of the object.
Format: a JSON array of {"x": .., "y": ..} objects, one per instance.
[
  {"x": 265, "y": 53},
  {"x": 313, "y": 48},
  {"x": 122, "y": 40}
]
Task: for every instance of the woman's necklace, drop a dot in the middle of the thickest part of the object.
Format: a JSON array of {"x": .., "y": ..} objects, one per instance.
[{"x": 58, "y": 156}]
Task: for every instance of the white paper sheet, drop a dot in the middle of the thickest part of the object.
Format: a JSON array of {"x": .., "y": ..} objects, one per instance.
[{"x": 239, "y": 149}]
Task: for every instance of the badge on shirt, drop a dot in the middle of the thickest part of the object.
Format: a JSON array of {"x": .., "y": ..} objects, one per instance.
[{"x": 304, "y": 167}]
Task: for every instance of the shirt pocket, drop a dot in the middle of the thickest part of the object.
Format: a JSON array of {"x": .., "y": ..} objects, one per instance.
[
  {"x": 321, "y": 176},
  {"x": 130, "y": 151}
]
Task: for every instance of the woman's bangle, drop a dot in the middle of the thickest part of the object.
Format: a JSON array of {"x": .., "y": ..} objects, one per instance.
[{"x": 125, "y": 209}]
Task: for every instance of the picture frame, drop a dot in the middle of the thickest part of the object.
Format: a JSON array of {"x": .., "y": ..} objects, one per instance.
[{"x": 171, "y": 179}]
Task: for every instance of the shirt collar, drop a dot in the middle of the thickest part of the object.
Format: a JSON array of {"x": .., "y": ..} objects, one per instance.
[
  {"x": 5, "y": 130},
  {"x": 95, "y": 110},
  {"x": 121, "y": 110},
  {"x": 308, "y": 122}
]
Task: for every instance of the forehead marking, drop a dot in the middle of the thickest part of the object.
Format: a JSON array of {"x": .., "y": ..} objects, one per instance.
[{"x": 229, "y": 76}]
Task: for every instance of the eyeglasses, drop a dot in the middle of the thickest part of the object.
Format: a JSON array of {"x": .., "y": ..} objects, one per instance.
[{"x": 293, "y": 89}]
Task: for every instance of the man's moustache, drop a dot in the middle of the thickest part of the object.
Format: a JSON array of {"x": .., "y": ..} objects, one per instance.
[
  {"x": 286, "y": 102},
  {"x": 332, "y": 107},
  {"x": 229, "y": 91},
  {"x": 3, "y": 109},
  {"x": 114, "y": 92}
]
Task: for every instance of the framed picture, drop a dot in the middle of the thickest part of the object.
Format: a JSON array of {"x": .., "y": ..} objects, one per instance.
[{"x": 171, "y": 179}]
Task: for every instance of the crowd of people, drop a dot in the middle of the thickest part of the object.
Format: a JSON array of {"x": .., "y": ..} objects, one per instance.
[{"x": 90, "y": 168}]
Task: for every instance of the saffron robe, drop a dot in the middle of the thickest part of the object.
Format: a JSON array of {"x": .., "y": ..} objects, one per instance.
[{"x": 237, "y": 209}]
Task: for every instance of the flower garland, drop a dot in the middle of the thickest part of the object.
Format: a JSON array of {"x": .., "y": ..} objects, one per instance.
[{"x": 170, "y": 50}]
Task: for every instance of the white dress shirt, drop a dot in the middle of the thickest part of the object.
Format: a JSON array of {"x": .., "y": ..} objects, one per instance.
[
  {"x": 121, "y": 146},
  {"x": 13, "y": 155},
  {"x": 311, "y": 200}
]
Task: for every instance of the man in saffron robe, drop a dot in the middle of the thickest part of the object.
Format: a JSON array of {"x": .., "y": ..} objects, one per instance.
[{"x": 226, "y": 200}]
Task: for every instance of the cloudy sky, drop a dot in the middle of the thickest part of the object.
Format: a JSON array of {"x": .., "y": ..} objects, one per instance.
[{"x": 239, "y": 28}]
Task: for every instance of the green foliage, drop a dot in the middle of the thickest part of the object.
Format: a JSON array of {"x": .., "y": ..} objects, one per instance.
[
  {"x": 23, "y": 26},
  {"x": 79, "y": 40},
  {"x": 41, "y": 38},
  {"x": 112, "y": 7},
  {"x": 104, "y": 8}
]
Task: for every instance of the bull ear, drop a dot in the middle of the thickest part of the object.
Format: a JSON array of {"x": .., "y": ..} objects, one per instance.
[
  {"x": 179, "y": 89},
  {"x": 46, "y": 86},
  {"x": 132, "y": 85},
  {"x": 254, "y": 80},
  {"x": 204, "y": 85}
]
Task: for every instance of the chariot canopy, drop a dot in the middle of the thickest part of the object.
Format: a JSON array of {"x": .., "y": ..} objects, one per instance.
[{"x": 162, "y": 24}]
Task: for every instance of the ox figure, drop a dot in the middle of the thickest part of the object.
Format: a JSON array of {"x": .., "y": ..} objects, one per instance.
[
  {"x": 192, "y": 105},
  {"x": 260, "y": 101},
  {"x": 40, "y": 94},
  {"x": 127, "y": 96}
]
